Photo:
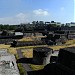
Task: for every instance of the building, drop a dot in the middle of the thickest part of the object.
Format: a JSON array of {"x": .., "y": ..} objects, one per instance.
[
  {"x": 58, "y": 23},
  {"x": 72, "y": 24},
  {"x": 18, "y": 33}
]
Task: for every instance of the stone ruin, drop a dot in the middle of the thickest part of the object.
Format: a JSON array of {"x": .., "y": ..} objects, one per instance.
[
  {"x": 8, "y": 64},
  {"x": 26, "y": 43},
  {"x": 41, "y": 56},
  {"x": 64, "y": 65}
]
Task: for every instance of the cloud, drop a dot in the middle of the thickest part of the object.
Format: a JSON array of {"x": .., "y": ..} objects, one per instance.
[
  {"x": 17, "y": 19},
  {"x": 62, "y": 8},
  {"x": 62, "y": 12},
  {"x": 21, "y": 17},
  {"x": 41, "y": 12},
  {"x": 25, "y": 17}
]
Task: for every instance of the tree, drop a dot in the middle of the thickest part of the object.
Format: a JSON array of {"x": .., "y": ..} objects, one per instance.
[
  {"x": 4, "y": 33},
  {"x": 62, "y": 25}
]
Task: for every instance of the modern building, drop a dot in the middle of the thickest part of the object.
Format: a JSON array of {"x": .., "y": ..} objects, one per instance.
[
  {"x": 18, "y": 33},
  {"x": 72, "y": 24}
]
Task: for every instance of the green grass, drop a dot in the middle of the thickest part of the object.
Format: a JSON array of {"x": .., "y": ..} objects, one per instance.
[
  {"x": 16, "y": 56},
  {"x": 37, "y": 67},
  {"x": 21, "y": 69}
]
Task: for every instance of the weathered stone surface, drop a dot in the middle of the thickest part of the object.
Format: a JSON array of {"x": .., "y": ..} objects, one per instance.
[
  {"x": 8, "y": 64},
  {"x": 66, "y": 57},
  {"x": 41, "y": 55}
]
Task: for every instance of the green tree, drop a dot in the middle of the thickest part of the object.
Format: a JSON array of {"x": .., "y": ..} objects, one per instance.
[{"x": 4, "y": 33}]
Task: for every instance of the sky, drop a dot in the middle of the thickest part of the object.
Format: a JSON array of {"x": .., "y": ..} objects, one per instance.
[{"x": 24, "y": 11}]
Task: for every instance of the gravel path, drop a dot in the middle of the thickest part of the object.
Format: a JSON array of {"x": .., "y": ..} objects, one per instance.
[{"x": 26, "y": 66}]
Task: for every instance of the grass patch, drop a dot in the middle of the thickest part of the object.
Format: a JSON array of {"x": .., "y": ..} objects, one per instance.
[
  {"x": 69, "y": 42},
  {"x": 12, "y": 50},
  {"x": 28, "y": 53},
  {"x": 37, "y": 67},
  {"x": 4, "y": 46},
  {"x": 33, "y": 46},
  {"x": 57, "y": 47},
  {"x": 21, "y": 69},
  {"x": 16, "y": 56},
  {"x": 26, "y": 39}
]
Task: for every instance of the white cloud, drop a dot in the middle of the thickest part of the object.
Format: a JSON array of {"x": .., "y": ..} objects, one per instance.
[
  {"x": 17, "y": 19},
  {"x": 25, "y": 17},
  {"x": 21, "y": 15},
  {"x": 62, "y": 8},
  {"x": 41, "y": 12},
  {"x": 62, "y": 12}
]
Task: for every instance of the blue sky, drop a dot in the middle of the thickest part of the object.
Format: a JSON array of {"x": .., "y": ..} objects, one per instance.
[{"x": 23, "y": 11}]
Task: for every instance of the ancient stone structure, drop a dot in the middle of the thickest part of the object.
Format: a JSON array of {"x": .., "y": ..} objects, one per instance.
[
  {"x": 41, "y": 55},
  {"x": 66, "y": 57},
  {"x": 64, "y": 65},
  {"x": 27, "y": 43},
  {"x": 8, "y": 64}
]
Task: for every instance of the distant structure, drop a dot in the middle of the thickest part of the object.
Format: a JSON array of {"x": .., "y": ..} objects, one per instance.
[
  {"x": 8, "y": 64},
  {"x": 18, "y": 33}
]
